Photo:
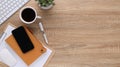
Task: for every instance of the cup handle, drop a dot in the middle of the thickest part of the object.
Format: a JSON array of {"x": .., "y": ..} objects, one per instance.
[{"x": 39, "y": 17}]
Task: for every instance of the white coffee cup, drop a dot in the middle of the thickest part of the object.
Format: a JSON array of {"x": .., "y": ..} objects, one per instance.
[{"x": 28, "y": 15}]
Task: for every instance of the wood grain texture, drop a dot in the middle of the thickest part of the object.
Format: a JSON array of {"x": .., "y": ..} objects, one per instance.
[
  {"x": 3, "y": 65},
  {"x": 84, "y": 33}
]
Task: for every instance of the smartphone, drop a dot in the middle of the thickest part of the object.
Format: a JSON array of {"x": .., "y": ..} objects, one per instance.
[{"x": 22, "y": 39}]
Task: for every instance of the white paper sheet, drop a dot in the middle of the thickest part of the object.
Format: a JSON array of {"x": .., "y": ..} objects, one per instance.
[
  {"x": 5, "y": 54},
  {"x": 38, "y": 63}
]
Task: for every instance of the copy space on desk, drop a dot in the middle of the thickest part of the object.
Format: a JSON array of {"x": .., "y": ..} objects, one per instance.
[{"x": 30, "y": 56}]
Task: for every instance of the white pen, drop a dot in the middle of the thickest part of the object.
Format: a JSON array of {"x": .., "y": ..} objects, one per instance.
[{"x": 42, "y": 30}]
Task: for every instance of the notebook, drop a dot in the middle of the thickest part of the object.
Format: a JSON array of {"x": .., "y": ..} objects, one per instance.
[
  {"x": 41, "y": 61},
  {"x": 30, "y": 56}
]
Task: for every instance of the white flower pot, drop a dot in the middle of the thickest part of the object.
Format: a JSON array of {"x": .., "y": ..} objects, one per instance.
[{"x": 46, "y": 8}]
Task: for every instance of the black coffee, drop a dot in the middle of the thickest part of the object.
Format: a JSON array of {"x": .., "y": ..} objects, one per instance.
[{"x": 28, "y": 14}]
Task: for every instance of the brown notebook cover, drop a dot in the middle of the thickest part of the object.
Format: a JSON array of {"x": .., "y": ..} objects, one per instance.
[{"x": 33, "y": 54}]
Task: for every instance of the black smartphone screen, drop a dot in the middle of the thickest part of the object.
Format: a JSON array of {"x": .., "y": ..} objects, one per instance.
[{"x": 22, "y": 39}]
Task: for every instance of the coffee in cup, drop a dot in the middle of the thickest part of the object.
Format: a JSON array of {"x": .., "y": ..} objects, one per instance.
[{"x": 28, "y": 15}]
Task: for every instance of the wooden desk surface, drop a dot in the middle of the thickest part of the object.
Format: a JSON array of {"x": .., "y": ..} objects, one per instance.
[{"x": 84, "y": 33}]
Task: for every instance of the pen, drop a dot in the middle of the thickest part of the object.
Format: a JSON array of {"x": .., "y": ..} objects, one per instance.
[{"x": 42, "y": 30}]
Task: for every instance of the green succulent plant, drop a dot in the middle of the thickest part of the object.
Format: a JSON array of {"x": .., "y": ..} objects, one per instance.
[{"x": 45, "y": 3}]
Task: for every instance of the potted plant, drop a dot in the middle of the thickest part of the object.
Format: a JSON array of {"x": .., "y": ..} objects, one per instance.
[{"x": 45, "y": 4}]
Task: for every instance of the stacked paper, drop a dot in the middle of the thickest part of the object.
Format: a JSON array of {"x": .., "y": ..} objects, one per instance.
[{"x": 40, "y": 62}]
